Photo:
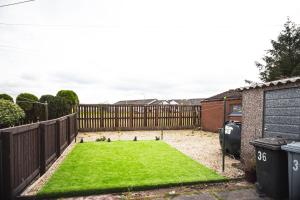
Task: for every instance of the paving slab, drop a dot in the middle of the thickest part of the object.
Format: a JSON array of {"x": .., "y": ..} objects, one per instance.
[
  {"x": 243, "y": 194},
  {"x": 195, "y": 197}
]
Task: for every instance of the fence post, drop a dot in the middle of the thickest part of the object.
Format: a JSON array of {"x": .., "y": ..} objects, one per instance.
[
  {"x": 194, "y": 116},
  {"x": 69, "y": 129},
  {"x": 180, "y": 116},
  {"x": 116, "y": 108},
  {"x": 58, "y": 125},
  {"x": 8, "y": 165},
  {"x": 76, "y": 129},
  {"x": 42, "y": 148},
  {"x": 131, "y": 116},
  {"x": 102, "y": 116},
  {"x": 145, "y": 116},
  {"x": 156, "y": 115}
]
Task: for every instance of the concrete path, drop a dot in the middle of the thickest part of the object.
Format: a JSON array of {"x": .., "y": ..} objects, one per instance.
[{"x": 241, "y": 194}]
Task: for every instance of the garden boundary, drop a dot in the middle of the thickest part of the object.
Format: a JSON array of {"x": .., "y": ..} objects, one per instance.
[
  {"x": 107, "y": 117},
  {"x": 28, "y": 151}
]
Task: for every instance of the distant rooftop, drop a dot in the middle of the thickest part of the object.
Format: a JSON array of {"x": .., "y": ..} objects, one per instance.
[
  {"x": 230, "y": 94},
  {"x": 195, "y": 101},
  {"x": 136, "y": 102}
]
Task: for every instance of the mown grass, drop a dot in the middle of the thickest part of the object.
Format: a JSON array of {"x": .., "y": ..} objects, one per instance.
[{"x": 101, "y": 167}]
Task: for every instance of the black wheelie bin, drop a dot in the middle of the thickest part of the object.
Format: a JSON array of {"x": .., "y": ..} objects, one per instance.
[
  {"x": 271, "y": 167},
  {"x": 232, "y": 138}
]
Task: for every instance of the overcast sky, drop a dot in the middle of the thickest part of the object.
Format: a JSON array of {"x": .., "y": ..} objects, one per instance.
[{"x": 113, "y": 50}]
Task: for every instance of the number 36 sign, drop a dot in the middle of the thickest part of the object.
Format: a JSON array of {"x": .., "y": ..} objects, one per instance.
[{"x": 262, "y": 156}]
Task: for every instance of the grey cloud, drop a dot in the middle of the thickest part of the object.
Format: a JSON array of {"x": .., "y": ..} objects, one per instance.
[
  {"x": 141, "y": 86},
  {"x": 69, "y": 77},
  {"x": 29, "y": 77}
]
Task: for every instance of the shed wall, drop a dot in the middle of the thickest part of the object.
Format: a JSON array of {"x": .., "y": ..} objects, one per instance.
[
  {"x": 251, "y": 125},
  {"x": 252, "y": 120}
]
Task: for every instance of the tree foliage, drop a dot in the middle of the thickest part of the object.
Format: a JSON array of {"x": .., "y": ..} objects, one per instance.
[
  {"x": 6, "y": 97},
  {"x": 283, "y": 60},
  {"x": 10, "y": 113},
  {"x": 69, "y": 95}
]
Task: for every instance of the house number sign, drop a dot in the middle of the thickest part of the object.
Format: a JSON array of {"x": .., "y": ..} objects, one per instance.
[
  {"x": 295, "y": 165},
  {"x": 262, "y": 156}
]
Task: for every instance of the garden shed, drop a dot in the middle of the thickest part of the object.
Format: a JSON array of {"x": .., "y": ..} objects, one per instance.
[
  {"x": 270, "y": 109},
  {"x": 212, "y": 110}
]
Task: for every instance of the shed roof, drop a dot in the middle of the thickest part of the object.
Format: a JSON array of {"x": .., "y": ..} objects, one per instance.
[
  {"x": 230, "y": 94},
  {"x": 272, "y": 83}
]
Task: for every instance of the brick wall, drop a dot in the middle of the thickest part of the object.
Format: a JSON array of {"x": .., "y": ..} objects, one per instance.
[{"x": 212, "y": 114}]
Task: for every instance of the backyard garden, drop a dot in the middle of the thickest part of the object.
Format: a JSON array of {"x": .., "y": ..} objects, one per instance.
[
  {"x": 131, "y": 161},
  {"x": 51, "y": 160}
]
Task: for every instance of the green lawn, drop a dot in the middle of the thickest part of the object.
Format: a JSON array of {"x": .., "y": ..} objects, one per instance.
[{"x": 100, "y": 167}]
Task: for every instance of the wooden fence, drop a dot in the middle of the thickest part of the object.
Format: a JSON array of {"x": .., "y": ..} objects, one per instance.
[
  {"x": 28, "y": 151},
  {"x": 103, "y": 117}
]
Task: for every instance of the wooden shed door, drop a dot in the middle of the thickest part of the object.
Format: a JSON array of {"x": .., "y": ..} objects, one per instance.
[{"x": 282, "y": 113}]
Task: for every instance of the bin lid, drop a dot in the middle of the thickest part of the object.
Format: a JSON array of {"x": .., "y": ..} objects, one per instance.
[
  {"x": 269, "y": 143},
  {"x": 292, "y": 147}
]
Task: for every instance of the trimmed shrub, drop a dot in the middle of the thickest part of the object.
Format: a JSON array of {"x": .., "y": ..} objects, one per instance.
[
  {"x": 57, "y": 107},
  {"x": 6, "y": 97},
  {"x": 10, "y": 113},
  {"x": 62, "y": 106},
  {"x": 46, "y": 97},
  {"x": 51, "y": 110},
  {"x": 70, "y": 95},
  {"x": 27, "y": 102}
]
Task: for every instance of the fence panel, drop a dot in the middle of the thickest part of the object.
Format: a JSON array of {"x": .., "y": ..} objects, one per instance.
[
  {"x": 28, "y": 151},
  {"x": 63, "y": 132},
  {"x": 105, "y": 117}
]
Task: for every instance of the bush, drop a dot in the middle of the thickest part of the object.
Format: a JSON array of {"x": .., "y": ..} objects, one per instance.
[
  {"x": 51, "y": 110},
  {"x": 57, "y": 107},
  {"x": 69, "y": 95},
  {"x": 46, "y": 98},
  {"x": 10, "y": 113},
  {"x": 27, "y": 102},
  {"x": 6, "y": 97},
  {"x": 62, "y": 106}
]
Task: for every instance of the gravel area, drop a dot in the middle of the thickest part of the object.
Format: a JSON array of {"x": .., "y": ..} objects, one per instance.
[{"x": 201, "y": 146}]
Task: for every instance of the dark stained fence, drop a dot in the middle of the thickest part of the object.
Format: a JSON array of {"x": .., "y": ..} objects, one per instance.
[
  {"x": 29, "y": 150},
  {"x": 103, "y": 117}
]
